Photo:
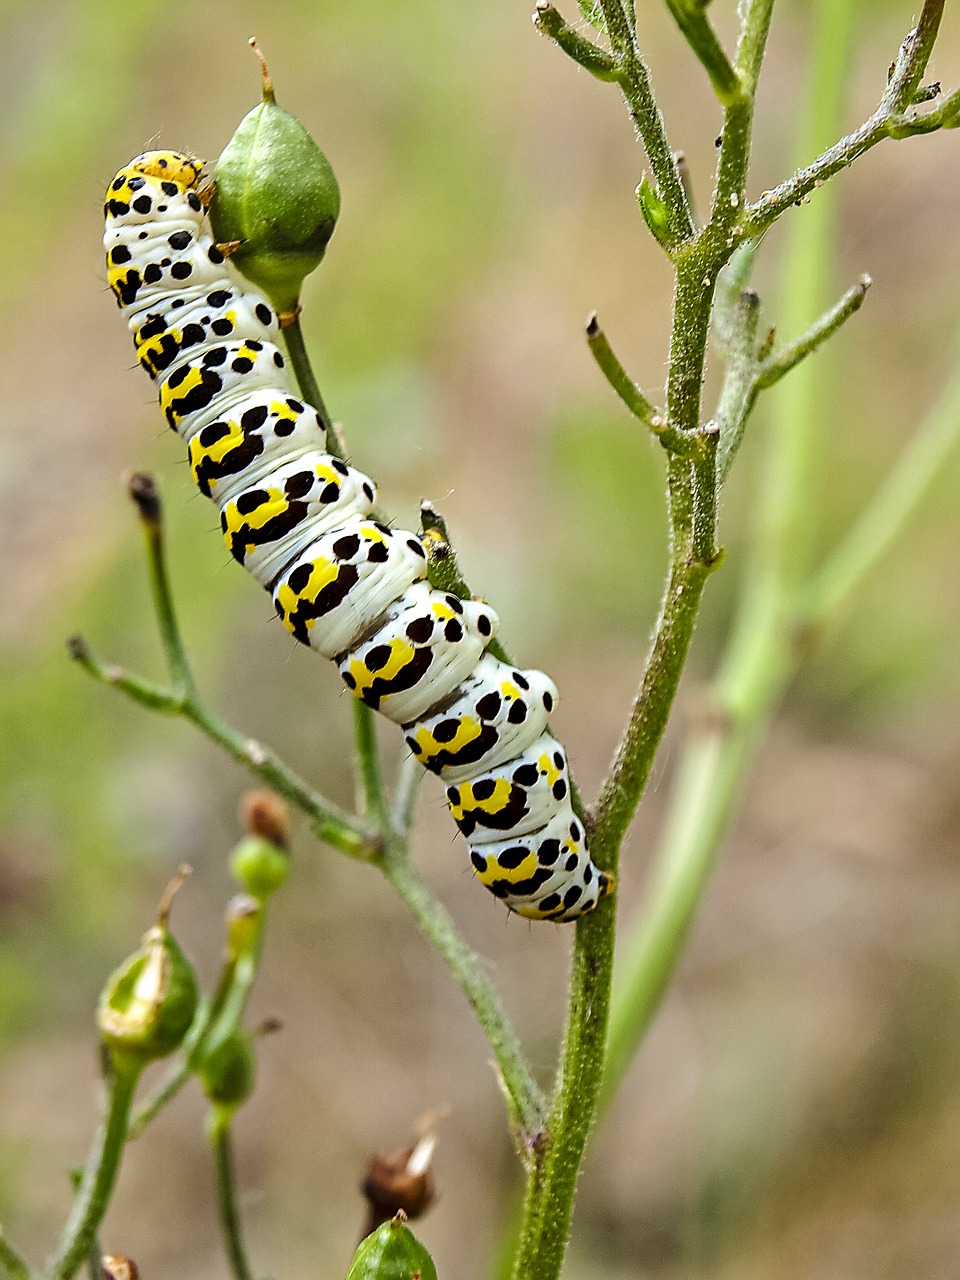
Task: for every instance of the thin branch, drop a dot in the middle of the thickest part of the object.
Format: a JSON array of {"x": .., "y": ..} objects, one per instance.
[
  {"x": 527, "y": 1106},
  {"x": 637, "y": 90},
  {"x": 368, "y": 761},
  {"x": 912, "y": 58},
  {"x": 218, "y": 1132},
  {"x": 409, "y": 778},
  {"x": 739, "y": 391},
  {"x": 146, "y": 497},
  {"x": 690, "y": 16},
  {"x": 307, "y": 382},
  {"x": 753, "y": 43},
  {"x": 788, "y": 357},
  {"x": 328, "y": 821},
  {"x": 583, "y": 51},
  {"x": 630, "y": 394},
  {"x": 722, "y": 742}
]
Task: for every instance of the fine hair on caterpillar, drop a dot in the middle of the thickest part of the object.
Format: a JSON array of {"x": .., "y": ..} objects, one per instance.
[{"x": 302, "y": 522}]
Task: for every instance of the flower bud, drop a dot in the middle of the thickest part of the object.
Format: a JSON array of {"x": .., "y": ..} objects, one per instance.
[
  {"x": 227, "y": 1070},
  {"x": 392, "y": 1253},
  {"x": 149, "y": 1003},
  {"x": 261, "y": 861},
  {"x": 260, "y": 866},
  {"x": 276, "y": 197},
  {"x": 244, "y": 918}
]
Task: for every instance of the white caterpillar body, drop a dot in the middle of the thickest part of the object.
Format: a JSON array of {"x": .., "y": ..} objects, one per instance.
[{"x": 343, "y": 583}]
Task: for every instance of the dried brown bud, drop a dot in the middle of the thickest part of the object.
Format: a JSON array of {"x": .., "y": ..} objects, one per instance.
[
  {"x": 117, "y": 1267},
  {"x": 403, "y": 1181},
  {"x": 265, "y": 815}
]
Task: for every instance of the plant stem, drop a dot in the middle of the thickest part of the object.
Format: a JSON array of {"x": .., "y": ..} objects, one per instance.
[
  {"x": 635, "y": 84},
  {"x": 691, "y": 18},
  {"x": 889, "y": 120},
  {"x": 307, "y": 382},
  {"x": 526, "y": 1103},
  {"x": 11, "y": 1262},
  {"x": 218, "y": 1131},
  {"x": 761, "y": 652},
  {"x": 100, "y": 1171},
  {"x": 368, "y": 760},
  {"x": 329, "y": 823}
]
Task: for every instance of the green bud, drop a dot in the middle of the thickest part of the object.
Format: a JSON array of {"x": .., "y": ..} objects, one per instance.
[
  {"x": 227, "y": 1070},
  {"x": 260, "y": 866},
  {"x": 276, "y": 198},
  {"x": 149, "y": 1003},
  {"x": 655, "y": 212},
  {"x": 392, "y": 1252}
]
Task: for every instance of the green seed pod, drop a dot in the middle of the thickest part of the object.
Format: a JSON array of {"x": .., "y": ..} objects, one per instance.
[
  {"x": 149, "y": 1003},
  {"x": 392, "y": 1252},
  {"x": 228, "y": 1069},
  {"x": 276, "y": 198},
  {"x": 260, "y": 866}
]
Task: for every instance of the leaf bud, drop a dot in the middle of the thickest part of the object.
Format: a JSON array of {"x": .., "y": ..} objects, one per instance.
[
  {"x": 392, "y": 1252},
  {"x": 260, "y": 861},
  {"x": 276, "y": 198},
  {"x": 149, "y": 1003},
  {"x": 654, "y": 211},
  {"x": 227, "y": 1070}
]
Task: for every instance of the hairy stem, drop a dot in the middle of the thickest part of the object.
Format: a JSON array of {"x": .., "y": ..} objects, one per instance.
[
  {"x": 99, "y": 1173},
  {"x": 755, "y": 669},
  {"x": 524, "y": 1097}
]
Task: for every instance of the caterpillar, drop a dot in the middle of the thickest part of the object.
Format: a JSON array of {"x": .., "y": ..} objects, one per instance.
[{"x": 345, "y": 584}]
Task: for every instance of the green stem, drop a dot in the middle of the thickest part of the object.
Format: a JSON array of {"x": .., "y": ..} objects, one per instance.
[
  {"x": 307, "y": 382},
  {"x": 761, "y": 652},
  {"x": 635, "y": 85},
  {"x": 11, "y": 1261},
  {"x": 145, "y": 495},
  {"x": 329, "y": 822},
  {"x": 409, "y": 777},
  {"x": 589, "y": 55},
  {"x": 889, "y": 120},
  {"x": 218, "y": 1132},
  {"x": 786, "y": 358},
  {"x": 525, "y": 1099},
  {"x": 99, "y": 1173},
  {"x": 690, "y": 16},
  {"x": 368, "y": 760}
]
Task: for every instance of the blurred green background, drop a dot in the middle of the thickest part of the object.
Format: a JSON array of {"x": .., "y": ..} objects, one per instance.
[{"x": 796, "y": 1110}]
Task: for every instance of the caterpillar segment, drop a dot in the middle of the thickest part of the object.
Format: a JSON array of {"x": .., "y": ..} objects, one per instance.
[{"x": 342, "y": 582}]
